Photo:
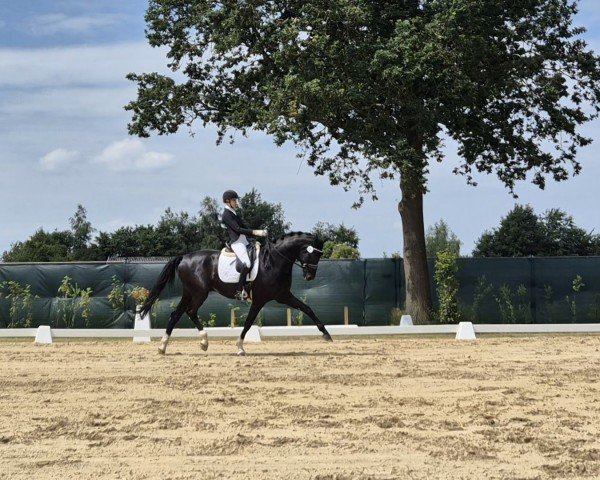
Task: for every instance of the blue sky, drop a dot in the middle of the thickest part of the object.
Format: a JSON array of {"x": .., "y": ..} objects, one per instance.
[{"x": 63, "y": 141}]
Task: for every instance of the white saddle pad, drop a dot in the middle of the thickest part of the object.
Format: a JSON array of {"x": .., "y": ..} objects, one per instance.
[{"x": 227, "y": 271}]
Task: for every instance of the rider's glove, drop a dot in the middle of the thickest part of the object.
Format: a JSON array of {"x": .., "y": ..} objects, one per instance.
[{"x": 259, "y": 233}]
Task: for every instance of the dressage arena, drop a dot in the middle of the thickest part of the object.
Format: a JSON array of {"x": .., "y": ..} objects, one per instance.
[{"x": 509, "y": 407}]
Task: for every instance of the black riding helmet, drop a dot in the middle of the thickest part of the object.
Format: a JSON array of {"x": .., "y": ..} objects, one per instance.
[{"x": 230, "y": 195}]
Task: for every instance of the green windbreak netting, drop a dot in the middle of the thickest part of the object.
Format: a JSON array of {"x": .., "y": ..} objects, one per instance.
[
  {"x": 382, "y": 290},
  {"x": 567, "y": 289},
  {"x": 44, "y": 303},
  {"x": 492, "y": 290}
]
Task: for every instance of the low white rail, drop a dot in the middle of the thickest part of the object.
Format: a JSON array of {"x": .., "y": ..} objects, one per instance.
[{"x": 308, "y": 331}]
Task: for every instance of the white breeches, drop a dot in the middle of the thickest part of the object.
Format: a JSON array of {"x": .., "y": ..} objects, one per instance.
[{"x": 239, "y": 247}]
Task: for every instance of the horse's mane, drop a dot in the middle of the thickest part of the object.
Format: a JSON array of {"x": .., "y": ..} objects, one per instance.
[{"x": 288, "y": 235}]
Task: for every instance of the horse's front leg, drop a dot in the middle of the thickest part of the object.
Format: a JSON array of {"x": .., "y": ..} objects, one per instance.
[
  {"x": 289, "y": 299},
  {"x": 254, "y": 309}
]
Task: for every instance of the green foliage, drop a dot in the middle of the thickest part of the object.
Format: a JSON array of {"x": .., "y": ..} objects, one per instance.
[
  {"x": 550, "y": 307},
  {"x": 514, "y": 307},
  {"x": 21, "y": 303},
  {"x": 74, "y": 305},
  {"x": 439, "y": 237},
  {"x": 259, "y": 214},
  {"x": 328, "y": 249},
  {"x": 210, "y": 224},
  {"x": 482, "y": 289},
  {"x": 594, "y": 313},
  {"x": 446, "y": 269},
  {"x": 81, "y": 231},
  {"x": 522, "y": 233},
  {"x": 42, "y": 246},
  {"x": 298, "y": 318},
  {"x": 116, "y": 296},
  {"x": 336, "y": 234},
  {"x": 343, "y": 251},
  {"x": 577, "y": 286}
]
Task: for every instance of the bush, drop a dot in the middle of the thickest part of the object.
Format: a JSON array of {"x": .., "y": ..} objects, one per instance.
[
  {"x": 343, "y": 251},
  {"x": 446, "y": 268}
]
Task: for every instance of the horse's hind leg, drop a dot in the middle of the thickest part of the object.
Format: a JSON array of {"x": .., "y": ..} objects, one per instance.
[
  {"x": 192, "y": 312},
  {"x": 173, "y": 319}
]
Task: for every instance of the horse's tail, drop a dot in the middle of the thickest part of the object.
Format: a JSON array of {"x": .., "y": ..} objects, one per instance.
[{"x": 166, "y": 276}]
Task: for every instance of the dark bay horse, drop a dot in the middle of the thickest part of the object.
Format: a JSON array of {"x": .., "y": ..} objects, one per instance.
[{"x": 199, "y": 276}]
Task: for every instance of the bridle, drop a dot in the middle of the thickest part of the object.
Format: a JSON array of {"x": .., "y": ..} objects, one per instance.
[{"x": 304, "y": 266}]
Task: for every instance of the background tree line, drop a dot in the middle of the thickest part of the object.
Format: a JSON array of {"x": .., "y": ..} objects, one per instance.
[
  {"x": 521, "y": 233},
  {"x": 174, "y": 234}
]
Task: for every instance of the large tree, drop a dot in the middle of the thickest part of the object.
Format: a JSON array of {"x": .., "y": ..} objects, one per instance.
[{"x": 369, "y": 89}]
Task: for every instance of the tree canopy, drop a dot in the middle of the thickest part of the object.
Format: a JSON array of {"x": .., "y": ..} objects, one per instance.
[{"x": 523, "y": 233}]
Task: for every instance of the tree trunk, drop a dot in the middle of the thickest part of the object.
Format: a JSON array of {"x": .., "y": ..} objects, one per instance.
[{"x": 418, "y": 297}]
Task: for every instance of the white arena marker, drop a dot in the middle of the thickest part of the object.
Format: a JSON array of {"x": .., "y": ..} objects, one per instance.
[
  {"x": 406, "y": 321},
  {"x": 43, "y": 335},
  {"x": 253, "y": 335},
  {"x": 141, "y": 324},
  {"x": 465, "y": 331}
]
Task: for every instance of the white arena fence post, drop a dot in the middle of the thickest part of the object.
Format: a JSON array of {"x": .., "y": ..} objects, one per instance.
[
  {"x": 43, "y": 335},
  {"x": 465, "y": 331},
  {"x": 141, "y": 323}
]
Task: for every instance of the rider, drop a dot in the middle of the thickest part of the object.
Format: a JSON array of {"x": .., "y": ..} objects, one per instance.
[{"x": 237, "y": 230}]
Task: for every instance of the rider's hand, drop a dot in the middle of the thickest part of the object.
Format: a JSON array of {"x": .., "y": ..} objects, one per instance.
[{"x": 260, "y": 233}]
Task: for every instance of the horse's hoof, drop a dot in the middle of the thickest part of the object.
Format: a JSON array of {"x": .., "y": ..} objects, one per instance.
[
  {"x": 204, "y": 346},
  {"x": 161, "y": 351},
  {"x": 241, "y": 353},
  {"x": 327, "y": 337}
]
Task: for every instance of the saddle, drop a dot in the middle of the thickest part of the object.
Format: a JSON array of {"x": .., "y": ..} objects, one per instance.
[
  {"x": 252, "y": 249},
  {"x": 229, "y": 267}
]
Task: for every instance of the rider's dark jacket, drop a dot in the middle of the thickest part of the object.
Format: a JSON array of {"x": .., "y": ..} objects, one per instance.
[{"x": 235, "y": 225}]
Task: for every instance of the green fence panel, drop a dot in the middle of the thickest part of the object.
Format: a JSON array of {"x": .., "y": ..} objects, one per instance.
[
  {"x": 382, "y": 290},
  {"x": 45, "y": 280},
  {"x": 494, "y": 290},
  {"x": 556, "y": 300}
]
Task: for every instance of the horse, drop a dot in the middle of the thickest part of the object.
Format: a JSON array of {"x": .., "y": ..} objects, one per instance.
[{"x": 198, "y": 272}]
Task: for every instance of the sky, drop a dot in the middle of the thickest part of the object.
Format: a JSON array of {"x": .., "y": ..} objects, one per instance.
[{"x": 64, "y": 142}]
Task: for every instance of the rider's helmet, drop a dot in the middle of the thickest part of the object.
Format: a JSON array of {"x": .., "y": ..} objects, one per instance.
[{"x": 230, "y": 195}]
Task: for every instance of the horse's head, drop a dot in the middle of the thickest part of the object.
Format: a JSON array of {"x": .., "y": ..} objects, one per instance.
[{"x": 309, "y": 256}]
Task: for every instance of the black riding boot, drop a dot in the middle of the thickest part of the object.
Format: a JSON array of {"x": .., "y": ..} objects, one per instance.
[{"x": 241, "y": 293}]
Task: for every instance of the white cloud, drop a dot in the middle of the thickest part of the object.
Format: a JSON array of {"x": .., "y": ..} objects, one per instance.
[
  {"x": 58, "y": 158},
  {"x": 131, "y": 154},
  {"x": 59, "y": 23}
]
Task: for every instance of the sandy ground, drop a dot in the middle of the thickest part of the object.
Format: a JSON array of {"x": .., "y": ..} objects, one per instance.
[{"x": 393, "y": 408}]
